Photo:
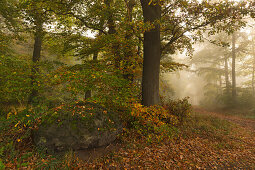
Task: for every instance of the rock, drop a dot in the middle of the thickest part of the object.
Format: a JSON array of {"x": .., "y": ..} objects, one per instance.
[{"x": 76, "y": 127}]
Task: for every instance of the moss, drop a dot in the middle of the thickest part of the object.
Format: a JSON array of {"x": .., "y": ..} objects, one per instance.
[{"x": 83, "y": 113}]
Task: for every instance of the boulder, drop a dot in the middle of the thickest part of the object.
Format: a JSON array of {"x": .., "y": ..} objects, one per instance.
[{"x": 79, "y": 126}]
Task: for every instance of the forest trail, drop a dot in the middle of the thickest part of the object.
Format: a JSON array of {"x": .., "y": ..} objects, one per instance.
[
  {"x": 209, "y": 140},
  {"x": 243, "y": 122}
]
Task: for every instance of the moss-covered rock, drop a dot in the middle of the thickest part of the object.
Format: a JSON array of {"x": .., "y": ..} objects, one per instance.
[{"x": 78, "y": 126}]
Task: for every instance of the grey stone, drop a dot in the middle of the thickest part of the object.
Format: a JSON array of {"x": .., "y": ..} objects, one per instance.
[{"x": 75, "y": 133}]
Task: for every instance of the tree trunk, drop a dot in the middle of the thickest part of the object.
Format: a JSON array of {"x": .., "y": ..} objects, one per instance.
[
  {"x": 151, "y": 63},
  {"x": 112, "y": 30},
  {"x": 88, "y": 93},
  {"x": 253, "y": 72},
  {"x": 253, "y": 69},
  {"x": 227, "y": 75},
  {"x": 234, "y": 66},
  {"x": 110, "y": 21},
  {"x": 129, "y": 55},
  {"x": 220, "y": 81},
  {"x": 35, "y": 59}
]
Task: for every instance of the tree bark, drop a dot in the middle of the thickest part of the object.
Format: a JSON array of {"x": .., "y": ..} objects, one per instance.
[
  {"x": 220, "y": 81},
  {"x": 227, "y": 75},
  {"x": 110, "y": 21},
  {"x": 38, "y": 36},
  {"x": 151, "y": 63},
  {"x": 88, "y": 93},
  {"x": 129, "y": 48},
  {"x": 112, "y": 30},
  {"x": 253, "y": 72},
  {"x": 234, "y": 66}
]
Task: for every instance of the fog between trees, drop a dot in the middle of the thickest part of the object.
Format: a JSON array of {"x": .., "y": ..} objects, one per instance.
[{"x": 208, "y": 80}]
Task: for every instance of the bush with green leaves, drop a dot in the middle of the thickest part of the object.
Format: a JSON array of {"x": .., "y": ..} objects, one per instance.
[
  {"x": 14, "y": 76},
  {"x": 15, "y": 84},
  {"x": 108, "y": 88},
  {"x": 16, "y": 130},
  {"x": 180, "y": 108}
]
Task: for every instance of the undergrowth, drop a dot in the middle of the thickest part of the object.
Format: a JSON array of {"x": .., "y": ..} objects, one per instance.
[{"x": 153, "y": 124}]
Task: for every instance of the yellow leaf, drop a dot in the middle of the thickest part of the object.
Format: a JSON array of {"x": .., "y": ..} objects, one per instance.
[
  {"x": 9, "y": 114},
  {"x": 17, "y": 124}
]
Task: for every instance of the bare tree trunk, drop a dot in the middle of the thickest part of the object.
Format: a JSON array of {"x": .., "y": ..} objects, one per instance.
[
  {"x": 234, "y": 66},
  {"x": 253, "y": 71},
  {"x": 129, "y": 50},
  {"x": 110, "y": 21},
  {"x": 35, "y": 59},
  {"x": 139, "y": 46},
  {"x": 88, "y": 93},
  {"x": 151, "y": 63},
  {"x": 112, "y": 30},
  {"x": 227, "y": 75},
  {"x": 220, "y": 80}
]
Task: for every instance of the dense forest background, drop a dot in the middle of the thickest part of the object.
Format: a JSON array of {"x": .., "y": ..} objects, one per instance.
[{"x": 69, "y": 63}]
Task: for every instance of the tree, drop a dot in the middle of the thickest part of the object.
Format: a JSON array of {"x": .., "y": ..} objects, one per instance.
[
  {"x": 240, "y": 39},
  {"x": 248, "y": 66},
  {"x": 211, "y": 64},
  {"x": 234, "y": 67},
  {"x": 226, "y": 71},
  {"x": 183, "y": 17},
  {"x": 166, "y": 27},
  {"x": 152, "y": 54},
  {"x": 34, "y": 15},
  {"x": 8, "y": 25},
  {"x": 38, "y": 39}
]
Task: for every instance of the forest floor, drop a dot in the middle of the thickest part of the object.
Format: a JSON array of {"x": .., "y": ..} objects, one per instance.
[
  {"x": 209, "y": 140},
  {"x": 237, "y": 119}
]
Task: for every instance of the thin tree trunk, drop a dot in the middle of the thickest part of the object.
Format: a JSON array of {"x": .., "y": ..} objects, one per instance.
[
  {"x": 88, "y": 93},
  {"x": 129, "y": 49},
  {"x": 139, "y": 46},
  {"x": 227, "y": 75},
  {"x": 220, "y": 81},
  {"x": 151, "y": 63},
  {"x": 110, "y": 21},
  {"x": 112, "y": 30},
  {"x": 234, "y": 67},
  {"x": 35, "y": 59},
  {"x": 253, "y": 72}
]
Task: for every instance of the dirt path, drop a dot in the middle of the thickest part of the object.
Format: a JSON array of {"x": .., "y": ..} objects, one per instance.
[{"x": 246, "y": 123}]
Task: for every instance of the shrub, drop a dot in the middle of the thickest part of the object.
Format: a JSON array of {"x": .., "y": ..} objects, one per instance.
[
  {"x": 153, "y": 122},
  {"x": 160, "y": 121},
  {"x": 180, "y": 108},
  {"x": 16, "y": 130},
  {"x": 108, "y": 88}
]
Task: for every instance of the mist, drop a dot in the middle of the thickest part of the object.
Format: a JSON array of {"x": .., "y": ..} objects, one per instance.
[
  {"x": 186, "y": 84},
  {"x": 208, "y": 79}
]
